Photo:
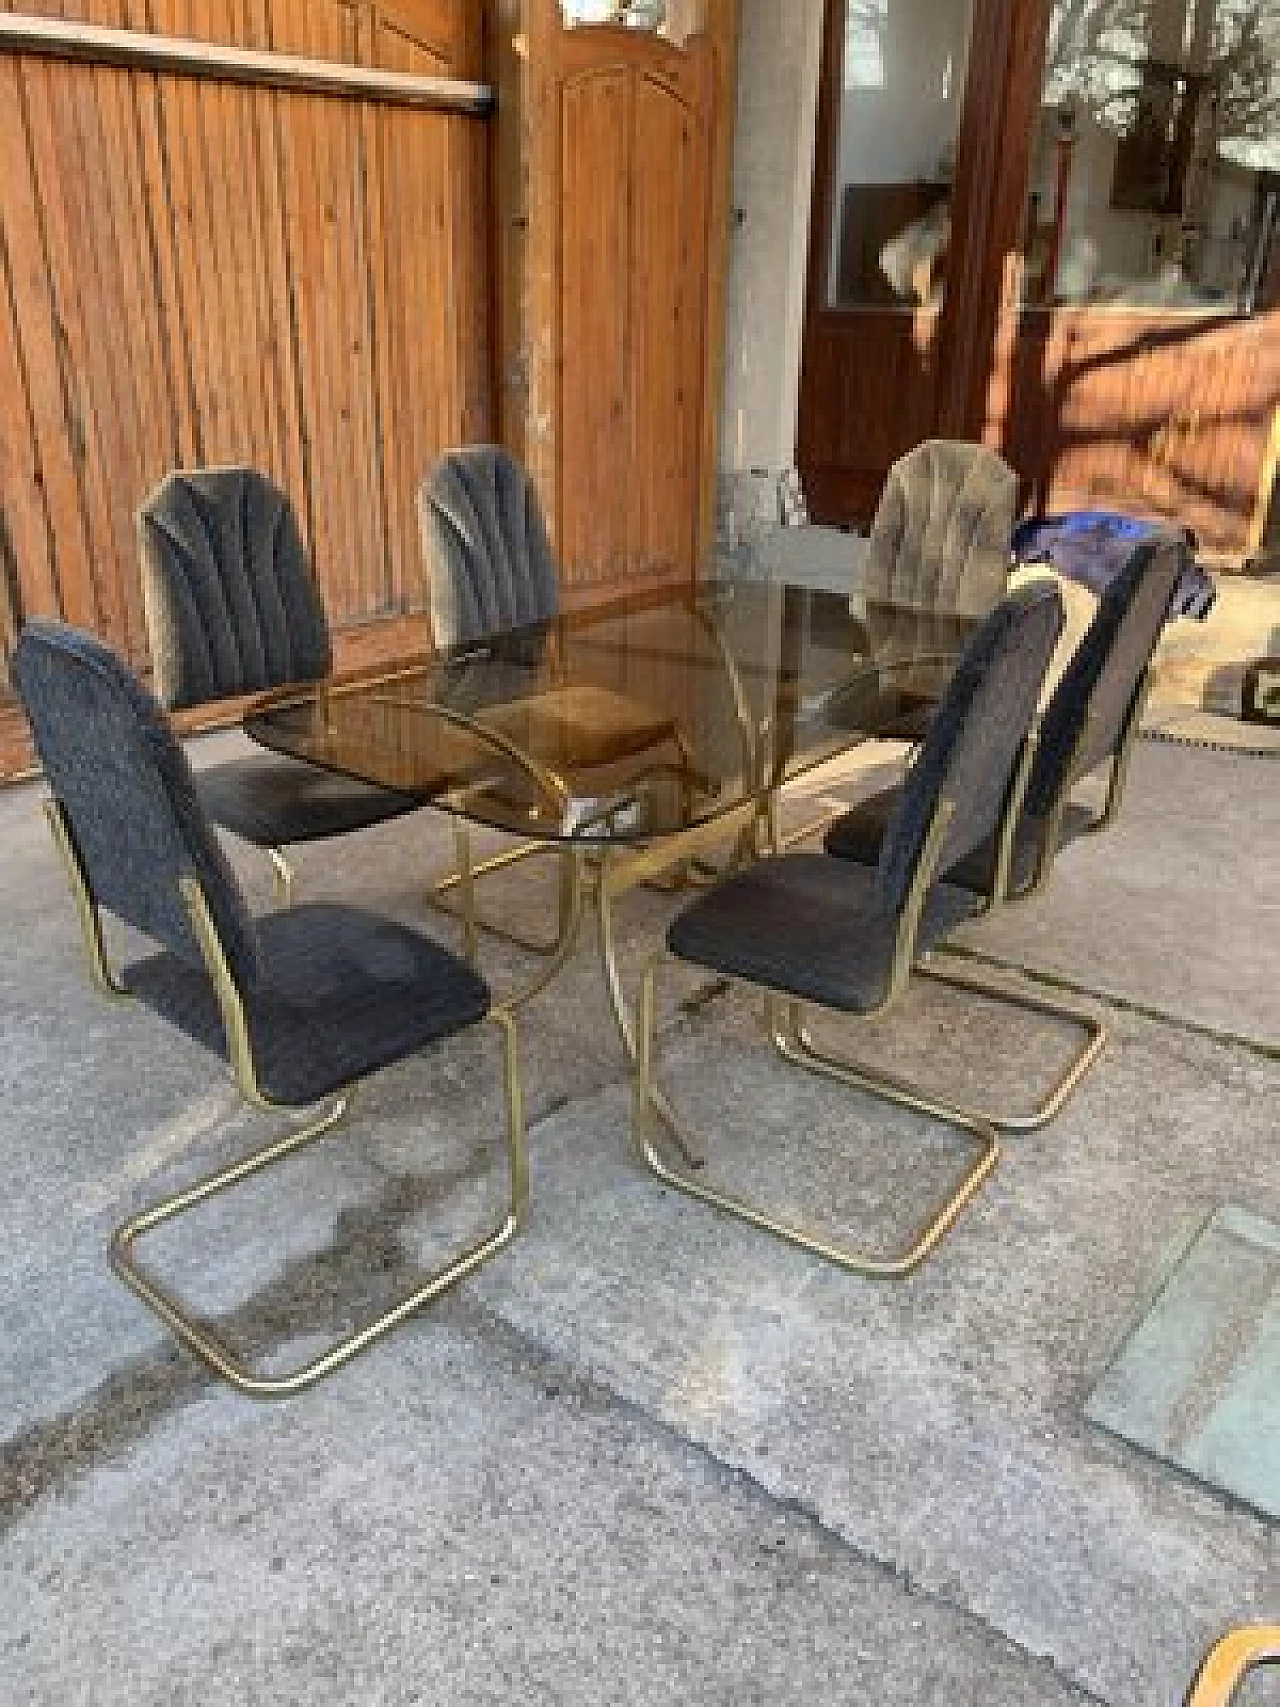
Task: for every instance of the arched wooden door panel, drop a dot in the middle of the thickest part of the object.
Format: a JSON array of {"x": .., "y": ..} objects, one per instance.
[
  {"x": 669, "y": 250},
  {"x": 621, "y": 143},
  {"x": 594, "y": 384}
]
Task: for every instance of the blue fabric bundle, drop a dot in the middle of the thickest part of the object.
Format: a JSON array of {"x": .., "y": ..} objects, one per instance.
[{"x": 1093, "y": 546}]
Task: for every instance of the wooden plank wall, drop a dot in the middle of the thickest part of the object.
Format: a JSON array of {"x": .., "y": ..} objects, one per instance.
[
  {"x": 195, "y": 272},
  {"x": 1163, "y": 414}
]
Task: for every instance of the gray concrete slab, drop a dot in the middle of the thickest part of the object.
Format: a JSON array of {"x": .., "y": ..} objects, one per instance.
[
  {"x": 620, "y": 1419},
  {"x": 936, "y": 1423},
  {"x": 462, "y": 1521},
  {"x": 1177, "y": 906},
  {"x": 459, "y": 1517}
]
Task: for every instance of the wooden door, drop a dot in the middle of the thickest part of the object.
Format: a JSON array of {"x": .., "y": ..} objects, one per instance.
[
  {"x": 625, "y": 266},
  {"x": 1163, "y": 412},
  {"x": 878, "y": 376},
  {"x": 1160, "y": 412}
]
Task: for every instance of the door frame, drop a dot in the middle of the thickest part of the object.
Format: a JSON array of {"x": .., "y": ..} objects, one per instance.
[
  {"x": 982, "y": 366},
  {"x": 1002, "y": 86}
]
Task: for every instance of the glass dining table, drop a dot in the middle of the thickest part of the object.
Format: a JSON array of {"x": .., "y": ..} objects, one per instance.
[{"x": 638, "y": 737}]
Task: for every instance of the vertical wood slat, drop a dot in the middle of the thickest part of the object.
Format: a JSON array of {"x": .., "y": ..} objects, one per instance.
[
  {"x": 25, "y": 544},
  {"x": 302, "y": 159},
  {"x": 91, "y": 597},
  {"x": 411, "y": 272},
  {"x": 194, "y": 272}
]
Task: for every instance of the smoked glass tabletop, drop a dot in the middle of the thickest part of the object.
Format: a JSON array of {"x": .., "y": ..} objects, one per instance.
[{"x": 639, "y": 718}]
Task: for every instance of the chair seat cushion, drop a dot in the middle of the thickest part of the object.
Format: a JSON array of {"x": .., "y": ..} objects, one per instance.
[
  {"x": 808, "y": 926},
  {"x": 271, "y": 800},
  {"x": 581, "y": 726},
  {"x": 857, "y": 835},
  {"x": 345, "y": 993}
]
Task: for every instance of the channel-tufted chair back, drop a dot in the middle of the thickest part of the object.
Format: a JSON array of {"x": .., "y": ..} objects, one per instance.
[
  {"x": 1095, "y": 690},
  {"x": 971, "y": 750},
  {"x": 126, "y": 789},
  {"x": 486, "y": 547},
  {"x": 941, "y": 535},
  {"x": 230, "y": 598}
]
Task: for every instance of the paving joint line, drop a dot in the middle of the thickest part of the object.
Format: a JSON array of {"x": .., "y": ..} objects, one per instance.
[
  {"x": 1124, "y": 1004},
  {"x": 592, "y": 1382}
]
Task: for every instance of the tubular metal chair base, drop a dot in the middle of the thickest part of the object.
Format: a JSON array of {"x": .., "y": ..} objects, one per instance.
[
  {"x": 213, "y": 1351},
  {"x": 465, "y": 910},
  {"x": 648, "y": 1097},
  {"x": 1230, "y": 1660},
  {"x": 281, "y": 877},
  {"x": 1051, "y": 1104}
]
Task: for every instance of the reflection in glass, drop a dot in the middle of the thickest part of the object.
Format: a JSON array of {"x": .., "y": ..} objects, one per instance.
[
  {"x": 639, "y": 14},
  {"x": 904, "y": 72},
  {"x": 1156, "y": 166}
]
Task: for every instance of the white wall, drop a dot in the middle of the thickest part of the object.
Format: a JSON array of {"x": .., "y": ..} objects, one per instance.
[{"x": 778, "y": 57}]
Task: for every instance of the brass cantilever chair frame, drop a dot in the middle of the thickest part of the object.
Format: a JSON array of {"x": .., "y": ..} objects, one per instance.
[
  {"x": 554, "y": 790},
  {"x": 1116, "y": 782},
  {"x": 783, "y": 1014},
  {"x": 1135, "y": 603},
  {"x": 803, "y": 1045},
  {"x": 188, "y": 1328},
  {"x": 467, "y": 869},
  {"x": 973, "y": 747},
  {"x": 1001, "y": 891},
  {"x": 348, "y": 994},
  {"x": 1229, "y": 1662},
  {"x": 1095, "y": 1039}
]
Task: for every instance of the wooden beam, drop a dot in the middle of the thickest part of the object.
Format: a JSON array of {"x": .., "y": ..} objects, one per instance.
[{"x": 93, "y": 44}]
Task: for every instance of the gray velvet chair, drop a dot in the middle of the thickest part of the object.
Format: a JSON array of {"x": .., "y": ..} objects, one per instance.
[
  {"x": 942, "y": 529},
  {"x": 232, "y": 608},
  {"x": 301, "y": 1004},
  {"x": 485, "y": 541},
  {"x": 1092, "y": 719},
  {"x": 806, "y": 928},
  {"x": 939, "y": 548},
  {"x": 492, "y": 570}
]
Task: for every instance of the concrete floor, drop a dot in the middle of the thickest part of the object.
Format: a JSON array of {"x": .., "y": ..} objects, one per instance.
[{"x": 646, "y": 1455}]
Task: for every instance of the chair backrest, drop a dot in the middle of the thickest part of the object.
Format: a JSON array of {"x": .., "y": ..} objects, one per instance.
[
  {"x": 942, "y": 529},
  {"x": 486, "y": 547},
  {"x": 974, "y": 740},
  {"x": 1083, "y": 720},
  {"x": 230, "y": 599},
  {"x": 124, "y": 784}
]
